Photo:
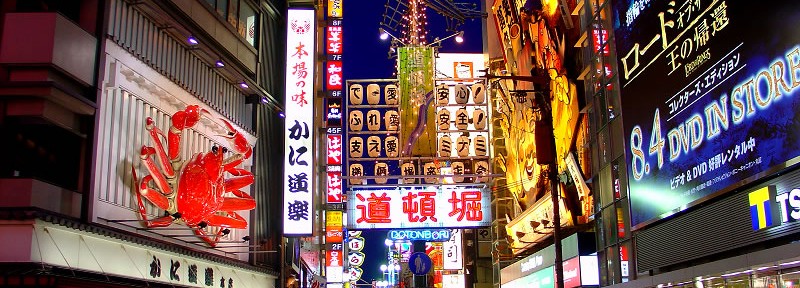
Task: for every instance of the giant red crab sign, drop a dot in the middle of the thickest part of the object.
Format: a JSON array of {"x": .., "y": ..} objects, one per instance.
[{"x": 196, "y": 191}]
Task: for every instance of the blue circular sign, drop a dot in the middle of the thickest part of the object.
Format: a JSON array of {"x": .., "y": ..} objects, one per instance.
[{"x": 419, "y": 263}]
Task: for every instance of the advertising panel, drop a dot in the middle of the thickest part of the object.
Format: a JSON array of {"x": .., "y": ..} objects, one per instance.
[
  {"x": 334, "y": 234},
  {"x": 335, "y": 8},
  {"x": 461, "y": 66},
  {"x": 590, "y": 274},
  {"x": 725, "y": 70},
  {"x": 333, "y": 35},
  {"x": 452, "y": 252},
  {"x": 453, "y": 281},
  {"x": 572, "y": 272},
  {"x": 429, "y": 235},
  {"x": 334, "y": 187},
  {"x": 443, "y": 208},
  {"x": 299, "y": 161},
  {"x": 333, "y": 75},
  {"x": 334, "y": 267}
]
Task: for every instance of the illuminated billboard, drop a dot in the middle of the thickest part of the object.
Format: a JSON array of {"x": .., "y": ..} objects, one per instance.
[
  {"x": 418, "y": 208},
  {"x": 456, "y": 115},
  {"x": 299, "y": 135},
  {"x": 701, "y": 81}
]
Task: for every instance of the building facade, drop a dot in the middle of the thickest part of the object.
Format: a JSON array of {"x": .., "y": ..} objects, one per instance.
[
  {"x": 107, "y": 103},
  {"x": 692, "y": 112}
]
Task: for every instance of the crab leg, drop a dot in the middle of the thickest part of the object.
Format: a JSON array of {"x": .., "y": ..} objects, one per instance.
[
  {"x": 161, "y": 155},
  {"x": 155, "y": 196},
  {"x": 233, "y": 220},
  {"x": 202, "y": 234},
  {"x": 159, "y": 179},
  {"x": 242, "y": 201},
  {"x": 241, "y": 178}
]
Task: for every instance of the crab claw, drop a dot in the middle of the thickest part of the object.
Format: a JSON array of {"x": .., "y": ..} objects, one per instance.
[
  {"x": 237, "y": 140},
  {"x": 188, "y": 117},
  {"x": 182, "y": 120}
]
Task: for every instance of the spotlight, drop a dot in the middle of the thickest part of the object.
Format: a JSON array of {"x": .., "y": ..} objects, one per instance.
[
  {"x": 264, "y": 100},
  {"x": 219, "y": 64},
  {"x": 192, "y": 41},
  {"x": 281, "y": 114},
  {"x": 383, "y": 33},
  {"x": 460, "y": 37},
  {"x": 244, "y": 85}
]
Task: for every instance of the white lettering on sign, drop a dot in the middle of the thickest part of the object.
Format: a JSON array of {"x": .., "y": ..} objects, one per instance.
[
  {"x": 532, "y": 263},
  {"x": 789, "y": 205}
]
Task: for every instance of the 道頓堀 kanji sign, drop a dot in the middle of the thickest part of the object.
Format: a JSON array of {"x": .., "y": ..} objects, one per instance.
[{"x": 444, "y": 207}]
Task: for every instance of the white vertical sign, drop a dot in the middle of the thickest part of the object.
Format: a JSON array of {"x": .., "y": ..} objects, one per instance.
[
  {"x": 299, "y": 161},
  {"x": 453, "y": 256}
]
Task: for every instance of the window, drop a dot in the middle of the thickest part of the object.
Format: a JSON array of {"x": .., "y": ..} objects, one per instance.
[
  {"x": 247, "y": 23},
  {"x": 240, "y": 14},
  {"x": 222, "y": 7}
]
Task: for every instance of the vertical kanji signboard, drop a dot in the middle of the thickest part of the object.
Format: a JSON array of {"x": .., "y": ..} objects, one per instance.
[{"x": 299, "y": 160}]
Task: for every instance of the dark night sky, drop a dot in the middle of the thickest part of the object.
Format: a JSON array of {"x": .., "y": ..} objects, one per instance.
[{"x": 365, "y": 57}]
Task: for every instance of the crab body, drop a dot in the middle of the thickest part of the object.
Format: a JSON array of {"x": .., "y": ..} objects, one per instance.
[{"x": 199, "y": 194}]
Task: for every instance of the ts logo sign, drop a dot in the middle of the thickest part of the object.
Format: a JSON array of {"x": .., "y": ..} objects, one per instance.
[{"x": 767, "y": 208}]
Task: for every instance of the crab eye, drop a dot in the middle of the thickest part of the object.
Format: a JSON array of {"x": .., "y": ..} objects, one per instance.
[
  {"x": 214, "y": 149},
  {"x": 231, "y": 133},
  {"x": 224, "y": 150}
]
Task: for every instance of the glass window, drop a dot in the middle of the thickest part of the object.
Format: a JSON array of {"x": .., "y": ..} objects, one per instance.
[
  {"x": 625, "y": 263},
  {"x": 617, "y": 136},
  {"x": 604, "y": 151},
  {"x": 222, "y": 7},
  {"x": 738, "y": 282},
  {"x": 606, "y": 193},
  {"x": 623, "y": 220},
  {"x": 604, "y": 267},
  {"x": 610, "y": 224},
  {"x": 612, "y": 261},
  {"x": 248, "y": 19},
  {"x": 233, "y": 16}
]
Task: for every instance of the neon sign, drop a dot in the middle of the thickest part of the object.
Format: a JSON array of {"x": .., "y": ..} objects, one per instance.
[{"x": 430, "y": 235}]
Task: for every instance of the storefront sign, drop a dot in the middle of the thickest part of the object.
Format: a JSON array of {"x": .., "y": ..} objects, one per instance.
[
  {"x": 334, "y": 149},
  {"x": 333, "y": 75},
  {"x": 700, "y": 81},
  {"x": 134, "y": 261},
  {"x": 333, "y": 36},
  {"x": 463, "y": 67},
  {"x": 447, "y": 207},
  {"x": 356, "y": 243},
  {"x": 528, "y": 265},
  {"x": 334, "y": 234},
  {"x": 452, "y": 253},
  {"x": 768, "y": 209},
  {"x": 590, "y": 273},
  {"x": 333, "y": 113},
  {"x": 335, "y": 8},
  {"x": 299, "y": 136},
  {"x": 355, "y": 259},
  {"x": 572, "y": 272},
  {"x": 333, "y": 218},
  {"x": 453, "y": 281},
  {"x": 334, "y": 187},
  {"x": 334, "y": 266},
  {"x": 429, "y": 235}
]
